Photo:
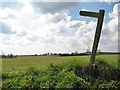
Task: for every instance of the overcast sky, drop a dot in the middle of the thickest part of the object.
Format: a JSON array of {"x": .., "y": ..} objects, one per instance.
[{"x": 57, "y": 27}]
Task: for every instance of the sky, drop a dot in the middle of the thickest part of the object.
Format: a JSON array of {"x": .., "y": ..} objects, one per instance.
[{"x": 38, "y": 27}]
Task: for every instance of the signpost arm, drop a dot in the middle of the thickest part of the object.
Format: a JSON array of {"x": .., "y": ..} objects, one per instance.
[
  {"x": 89, "y": 14},
  {"x": 97, "y": 35}
]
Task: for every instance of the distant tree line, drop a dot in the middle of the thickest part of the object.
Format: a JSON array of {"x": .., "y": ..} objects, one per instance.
[
  {"x": 70, "y": 54},
  {"x": 9, "y": 56},
  {"x": 64, "y": 54},
  {"x": 73, "y": 54}
]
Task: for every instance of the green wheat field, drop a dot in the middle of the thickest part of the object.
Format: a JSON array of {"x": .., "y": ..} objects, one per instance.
[{"x": 22, "y": 63}]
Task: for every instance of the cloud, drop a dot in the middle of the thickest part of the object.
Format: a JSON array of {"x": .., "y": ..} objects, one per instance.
[
  {"x": 55, "y": 18},
  {"x": 54, "y": 31},
  {"x": 6, "y": 29},
  {"x": 108, "y": 0},
  {"x": 73, "y": 0},
  {"x": 110, "y": 32},
  {"x": 8, "y": 13},
  {"x": 75, "y": 25},
  {"x": 114, "y": 14},
  {"x": 52, "y": 7}
]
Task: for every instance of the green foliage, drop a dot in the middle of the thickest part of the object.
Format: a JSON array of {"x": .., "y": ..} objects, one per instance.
[{"x": 60, "y": 76}]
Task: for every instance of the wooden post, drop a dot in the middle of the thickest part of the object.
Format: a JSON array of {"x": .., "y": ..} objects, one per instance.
[{"x": 100, "y": 17}]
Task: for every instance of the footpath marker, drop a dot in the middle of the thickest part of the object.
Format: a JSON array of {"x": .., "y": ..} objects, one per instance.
[{"x": 100, "y": 17}]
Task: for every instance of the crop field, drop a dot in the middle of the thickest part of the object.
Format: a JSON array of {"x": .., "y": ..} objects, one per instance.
[
  {"x": 60, "y": 72},
  {"x": 22, "y": 63}
]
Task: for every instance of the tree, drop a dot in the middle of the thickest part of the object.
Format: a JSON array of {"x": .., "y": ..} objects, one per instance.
[
  {"x": 10, "y": 56},
  {"x": 99, "y": 50},
  {"x": 76, "y": 53},
  {"x": 35, "y": 54}
]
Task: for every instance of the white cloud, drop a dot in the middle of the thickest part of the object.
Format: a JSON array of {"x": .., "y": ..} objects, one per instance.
[
  {"x": 52, "y": 7},
  {"x": 9, "y": 13},
  {"x": 26, "y": 1},
  {"x": 110, "y": 32},
  {"x": 53, "y": 32},
  {"x": 6, "y": 29},
  {"x": 114, "y": 14},
  {"x": 109, "y": 0}
]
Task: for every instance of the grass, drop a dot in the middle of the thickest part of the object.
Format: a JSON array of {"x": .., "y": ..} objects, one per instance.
[
  {"x": 22, "y": 63},
  {"x": 67, "y": 75},
  {"x": 61, "y": 72},
  {"x": 110, "y": 59},
  {"x": 0, "y": 82}
]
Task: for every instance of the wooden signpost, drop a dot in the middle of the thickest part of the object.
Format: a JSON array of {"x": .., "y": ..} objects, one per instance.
[{"x": 100, "y": 17}]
